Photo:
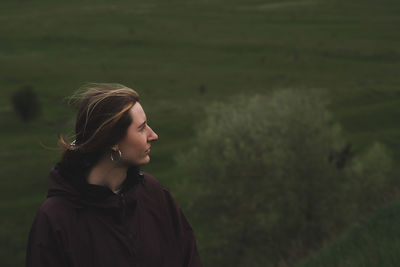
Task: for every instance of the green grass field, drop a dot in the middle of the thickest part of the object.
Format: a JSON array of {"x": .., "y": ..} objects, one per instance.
[{"x": 180, "y": 56}]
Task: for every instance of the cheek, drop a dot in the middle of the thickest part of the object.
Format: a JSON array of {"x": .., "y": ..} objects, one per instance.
[
  {"x": 129, "y": 142},
  {"x": 133, "y": 144}
]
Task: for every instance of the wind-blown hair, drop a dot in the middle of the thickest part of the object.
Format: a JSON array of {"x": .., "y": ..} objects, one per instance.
[{"x": 102, "y": 120}]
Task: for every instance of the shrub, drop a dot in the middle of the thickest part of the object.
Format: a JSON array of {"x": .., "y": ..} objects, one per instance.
[
  {"x": 370, "y": 174},
  {"x": 271, "y": 178},
  {"x": 25, "y": 103}
]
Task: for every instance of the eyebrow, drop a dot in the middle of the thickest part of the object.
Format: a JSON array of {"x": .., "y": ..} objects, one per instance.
[{"x": 142, "y": 125}]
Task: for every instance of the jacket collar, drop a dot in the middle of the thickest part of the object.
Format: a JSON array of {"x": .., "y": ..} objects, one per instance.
[{"x": 74, "y": 186}]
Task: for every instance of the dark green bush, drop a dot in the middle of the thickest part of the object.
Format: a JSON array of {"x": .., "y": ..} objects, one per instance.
[
  {"x": 25, "y": 103},
  {"x": 274, "y": 177}
]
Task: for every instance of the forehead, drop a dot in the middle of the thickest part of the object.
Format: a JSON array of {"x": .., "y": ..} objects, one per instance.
[{"x": 137, "y": 114}]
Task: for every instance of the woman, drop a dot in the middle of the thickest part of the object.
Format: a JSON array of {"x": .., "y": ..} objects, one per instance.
[{"x": 100, "y": 209}]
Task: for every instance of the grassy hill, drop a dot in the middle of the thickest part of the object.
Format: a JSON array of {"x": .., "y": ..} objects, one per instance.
[
  {"x": 375, "y": 241},
  {"x": 180, "y": 56}
]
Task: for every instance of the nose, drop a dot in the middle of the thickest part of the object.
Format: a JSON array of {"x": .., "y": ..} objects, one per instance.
[{"x": 153, "y": 136}]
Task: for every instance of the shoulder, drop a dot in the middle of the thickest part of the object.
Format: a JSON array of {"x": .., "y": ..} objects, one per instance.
[
  {"x": 151, "y": 183},
  {"x": 170, "y": 205},
  {"x": 153, "y": 187},
  {"x": 55, "y": 210},
  {"x": 55, "y": 204}
]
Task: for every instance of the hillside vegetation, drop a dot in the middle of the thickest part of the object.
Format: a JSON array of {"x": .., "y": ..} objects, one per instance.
[
  {"x": 181, "y": 55},
  {"x": 374, "y": 241}
]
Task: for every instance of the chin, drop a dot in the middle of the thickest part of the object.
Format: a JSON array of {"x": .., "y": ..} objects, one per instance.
[
  {"x": 140, "y": 162},
  {"x": 145, "y": 161}
]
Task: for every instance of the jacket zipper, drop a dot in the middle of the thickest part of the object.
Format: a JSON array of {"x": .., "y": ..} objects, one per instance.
[{"x": 132, "y": 250}]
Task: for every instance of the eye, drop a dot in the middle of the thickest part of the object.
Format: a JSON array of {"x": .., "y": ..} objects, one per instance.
[{"x": 142, "y": 129}]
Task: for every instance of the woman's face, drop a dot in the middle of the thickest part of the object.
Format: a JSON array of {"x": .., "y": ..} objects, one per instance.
[{"x": 135, "y": 146}]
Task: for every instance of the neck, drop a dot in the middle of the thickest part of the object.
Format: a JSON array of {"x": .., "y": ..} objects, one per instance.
[{"x": 108, "y": 174}]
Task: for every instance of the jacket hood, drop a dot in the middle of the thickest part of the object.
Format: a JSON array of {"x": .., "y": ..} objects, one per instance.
[{"x": 74, "y": 187}]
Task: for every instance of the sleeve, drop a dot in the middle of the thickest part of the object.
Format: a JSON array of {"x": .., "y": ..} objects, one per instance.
[
  {"x": 184, "y": 231},
  {"x": 42, "y": 248}
]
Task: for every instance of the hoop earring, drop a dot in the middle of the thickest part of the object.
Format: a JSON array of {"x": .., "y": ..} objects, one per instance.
[
  {"x": 72, "y": 145},
  {"x": 119, "y": 156}
]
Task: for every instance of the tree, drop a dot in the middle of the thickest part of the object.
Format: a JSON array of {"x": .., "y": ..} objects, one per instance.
[
  {"x": 271, "y": 178},
  {"x": 25, "y": 103}
]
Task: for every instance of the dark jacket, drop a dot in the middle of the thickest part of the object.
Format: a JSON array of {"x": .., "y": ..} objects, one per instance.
[{"x": 89, "y": 226}]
